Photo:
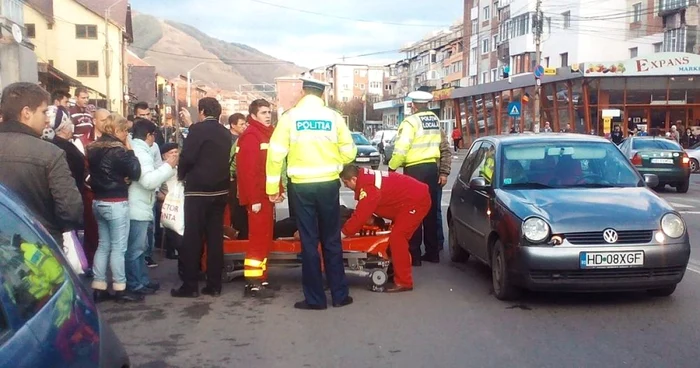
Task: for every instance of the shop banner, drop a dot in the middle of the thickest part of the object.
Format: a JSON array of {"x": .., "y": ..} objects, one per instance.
[
  {"x": 659, "y": 64},
  {"x": 443, "y": 94}
]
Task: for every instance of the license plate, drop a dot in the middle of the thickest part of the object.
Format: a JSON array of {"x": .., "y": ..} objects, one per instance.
[
  {"x": 662, "y": 161},
  {"x": 611, "y": 259},
  {"x": 362, "y": 159}
]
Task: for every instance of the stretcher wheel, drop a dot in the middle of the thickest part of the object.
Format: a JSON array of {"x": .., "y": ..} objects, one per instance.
[{"x": 379, "y": 277}]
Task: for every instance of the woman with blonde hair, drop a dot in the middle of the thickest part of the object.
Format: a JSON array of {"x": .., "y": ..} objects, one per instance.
[{"x": 112, "y": 165}]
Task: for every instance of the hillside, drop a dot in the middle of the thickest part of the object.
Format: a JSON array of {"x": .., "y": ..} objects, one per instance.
[{"x": 173, "y": 48}]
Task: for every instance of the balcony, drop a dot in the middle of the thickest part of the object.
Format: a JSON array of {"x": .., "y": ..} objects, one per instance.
[
  {"x": 503, "y": 51},
  {"x": 12, "y": 10},
  {"x": 671, "y": 6}
]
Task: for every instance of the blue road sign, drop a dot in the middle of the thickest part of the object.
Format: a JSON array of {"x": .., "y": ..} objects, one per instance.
[
  {"x": 539, "y": 71},
  {"x": 514, "y": 109}
]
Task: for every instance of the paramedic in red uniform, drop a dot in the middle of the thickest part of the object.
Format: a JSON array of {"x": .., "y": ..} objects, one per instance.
[
  {"x": 252, "y": 149},
  {"x": 397, "y": 197}
]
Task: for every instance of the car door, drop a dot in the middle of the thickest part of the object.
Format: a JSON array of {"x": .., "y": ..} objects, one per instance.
[
  {"x": 481, "y": 200},
  {"x": 458, "y": 206}
]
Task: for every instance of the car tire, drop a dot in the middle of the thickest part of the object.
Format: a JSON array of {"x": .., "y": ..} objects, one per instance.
[
  {"x": 457, "y": 253},
  {"x": 662, "y": 292},
  {"x": 683, "y": 187},
  {"x": 503, "y": 289},
  {"x": 694, "y": 165}
]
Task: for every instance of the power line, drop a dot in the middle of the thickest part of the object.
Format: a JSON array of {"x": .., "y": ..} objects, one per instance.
[{"x": 325, "y": 15}]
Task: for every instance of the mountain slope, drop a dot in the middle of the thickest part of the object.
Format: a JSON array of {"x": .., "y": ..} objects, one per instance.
[{"x": 173, "y": 48}]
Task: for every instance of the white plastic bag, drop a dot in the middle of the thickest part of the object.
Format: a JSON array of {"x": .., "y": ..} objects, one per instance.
[
  {"x": 75, "y": 255},
  {"x": 173, "y": 213}
]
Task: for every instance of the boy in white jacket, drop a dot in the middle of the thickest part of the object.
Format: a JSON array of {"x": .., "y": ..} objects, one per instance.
[{"x": 142, "y": 197}]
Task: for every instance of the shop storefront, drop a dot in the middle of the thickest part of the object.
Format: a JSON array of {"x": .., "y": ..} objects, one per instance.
[
  {"x": 392, "y": 112},
  {"x": 651, "y": 92}
]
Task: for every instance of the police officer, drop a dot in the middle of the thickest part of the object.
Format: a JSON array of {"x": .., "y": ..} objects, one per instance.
[
  {"x": 316, "y": 143},
  {"x": 417, "y": 150}
]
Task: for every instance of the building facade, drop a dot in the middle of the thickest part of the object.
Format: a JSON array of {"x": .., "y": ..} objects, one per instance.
[
  {"x": 17, "y": 57},
  {"x": 71, "y": 36}
]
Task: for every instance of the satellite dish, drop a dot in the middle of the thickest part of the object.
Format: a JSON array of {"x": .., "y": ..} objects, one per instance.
[{"x": 17, "y": 33}]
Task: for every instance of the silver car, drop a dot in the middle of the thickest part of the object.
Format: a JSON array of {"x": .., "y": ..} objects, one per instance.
[{"x": 564, "y": 212}]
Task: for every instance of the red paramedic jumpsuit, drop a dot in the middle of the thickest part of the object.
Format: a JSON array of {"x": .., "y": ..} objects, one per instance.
[
  {"x": 400, "y": 198},
  {"x": 250, "y": 167}
]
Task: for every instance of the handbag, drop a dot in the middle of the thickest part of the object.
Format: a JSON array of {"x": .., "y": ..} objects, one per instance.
[
  {"x": 75, "y": 255},
  {"x": 172, "y": 215}
]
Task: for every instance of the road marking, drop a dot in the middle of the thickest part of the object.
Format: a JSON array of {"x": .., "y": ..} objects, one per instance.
[
  {"x": 689, "y": 212},
  {"x": 693, "y": 269},
  {"x": 680, "y": 205}
]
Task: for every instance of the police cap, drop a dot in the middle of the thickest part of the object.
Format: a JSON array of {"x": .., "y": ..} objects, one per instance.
[
  {"x": 313, "y": 84},
  {"x": 420, "y": 96}
]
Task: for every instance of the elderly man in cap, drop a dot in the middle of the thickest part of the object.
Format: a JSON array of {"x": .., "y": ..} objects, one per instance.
[
  {"x": 316, "y": 143},
  {"x": 417, "y": 150}
]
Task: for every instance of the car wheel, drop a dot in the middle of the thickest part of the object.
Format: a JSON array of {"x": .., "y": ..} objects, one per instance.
[
  {"x": 683, "y": 187},
  {"x": 694, "y": 165},
  {"x": 457, "y": 253},
  {"x": 662, "y": 292},
  {"x": 503, "y": 289}
]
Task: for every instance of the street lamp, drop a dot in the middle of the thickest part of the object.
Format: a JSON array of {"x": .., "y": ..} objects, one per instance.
[
  {"x": 189, "y": 85},
  {"x": 108, "y": 64}
]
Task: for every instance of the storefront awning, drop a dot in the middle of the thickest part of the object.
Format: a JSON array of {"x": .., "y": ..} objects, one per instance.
[{"x": 52, "y": 72}]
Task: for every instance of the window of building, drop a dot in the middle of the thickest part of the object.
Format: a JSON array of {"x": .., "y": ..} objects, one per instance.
[
  {"x": 518, "y": 26},
  {"x": 484, "y": 77},
  {"x": 472, "y": 55},
  {"x": 362, "y": 86},
  {"x": 487, "y": 13},
  {"x": 658, "y": 47},
  {"x": 674, "y": 40},
  {"x": 567, "y": 19},
  {"x": 546, "y": 62},
  {"x": 20, "y": 244},
  {"x": 86, "y": 31},
  {"x": 31, "y": 30},
  {"x": 494, "y": 74},
  {"x": 472, "y": 80},
  {"x": 495, "y": 40},
  {"x": 88, "y": 68},
  {"x": 564, "y": 59},
  {"x": 637, "y": 12},
  {"x": 475, "y": 26},
  {"x": 633, "y": 52},
  {"x": 485, "y": 45},
  {"x": 346, "y": 99}
]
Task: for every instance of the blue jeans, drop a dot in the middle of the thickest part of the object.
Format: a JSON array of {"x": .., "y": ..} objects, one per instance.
[
  {"x": 136, "y": 270},
  {"x": 113, "y": 230},
  {"x": 151, "y": 236}
]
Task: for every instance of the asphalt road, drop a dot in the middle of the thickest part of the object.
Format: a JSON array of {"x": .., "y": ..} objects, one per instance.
[{"x": 449, "y": 320}]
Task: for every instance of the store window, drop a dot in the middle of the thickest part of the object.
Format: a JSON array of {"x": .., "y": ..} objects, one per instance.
[
  {"x": 612, "y": 91},
  {"x": 684, "y": 90},
  {"x": 644, "y": 90}
]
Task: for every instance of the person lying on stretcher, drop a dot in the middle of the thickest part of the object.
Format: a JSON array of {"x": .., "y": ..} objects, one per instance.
[{"x": 287, "y": 228}]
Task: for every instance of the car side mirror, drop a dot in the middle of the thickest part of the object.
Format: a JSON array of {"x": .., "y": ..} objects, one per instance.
[
  {"x": 478, "y": 183},
  {"x": 651, "y": 180}
]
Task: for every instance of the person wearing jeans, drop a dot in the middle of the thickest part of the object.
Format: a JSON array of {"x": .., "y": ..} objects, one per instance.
[
  {"x": 142, "y": 198},
  {"x": 112, "y": 166}
]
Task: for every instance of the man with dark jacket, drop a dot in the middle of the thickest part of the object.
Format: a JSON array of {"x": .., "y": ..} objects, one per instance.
[
  {"x": 204, "y": 167},
  {"x": 34, "y": 169}
]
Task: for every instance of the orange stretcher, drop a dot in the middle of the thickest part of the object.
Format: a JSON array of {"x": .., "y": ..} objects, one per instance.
[{"x": 364, "y": 255}]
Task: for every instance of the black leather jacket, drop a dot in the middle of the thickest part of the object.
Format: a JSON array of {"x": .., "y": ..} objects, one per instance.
[{"x": 112, "y": 168}]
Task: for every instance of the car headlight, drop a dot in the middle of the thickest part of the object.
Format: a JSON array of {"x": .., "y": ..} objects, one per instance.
[
  {"x": 374, "y": 154},
  {"x": 535, "y": 229},
  {"x": 672, "y": 225}
]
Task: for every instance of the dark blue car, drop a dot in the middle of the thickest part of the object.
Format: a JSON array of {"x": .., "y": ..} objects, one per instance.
[{"x": 47, "y": 317}]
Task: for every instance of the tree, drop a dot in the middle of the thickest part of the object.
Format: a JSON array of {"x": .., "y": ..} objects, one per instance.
[{"x": 354, "y": 109}]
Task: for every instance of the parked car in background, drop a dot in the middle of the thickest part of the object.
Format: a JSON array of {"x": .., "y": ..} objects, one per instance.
[
  {"x": 48, "y": 318},
  {"x": 694, "y": 155},
  {"x": 367, "y": 155},
  {"x": 662, "y": 157},
  {"x": 564, "y": 212},
  {"x": 381, "y": 138},
  {"x": 388, "y": 151}
]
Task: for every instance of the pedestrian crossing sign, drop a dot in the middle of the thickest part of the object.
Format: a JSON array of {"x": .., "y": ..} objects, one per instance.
[{"x": 514, "y": 109}]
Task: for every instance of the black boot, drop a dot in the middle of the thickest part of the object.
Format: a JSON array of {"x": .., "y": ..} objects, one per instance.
[
  {"x": 126, "y": 297},
  {"x": 100, "y": 295},
  {"x": 258, "y": 290}
]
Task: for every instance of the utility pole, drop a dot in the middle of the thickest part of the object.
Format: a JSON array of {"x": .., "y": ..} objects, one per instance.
[{"x": 538, "y": 57}]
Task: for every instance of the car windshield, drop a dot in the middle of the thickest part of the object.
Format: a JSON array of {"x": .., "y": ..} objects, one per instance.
[
  {"x": 655, "y": 144},
  {"x": 360, "y": 140},
  {"x": 545, "y": 165}
]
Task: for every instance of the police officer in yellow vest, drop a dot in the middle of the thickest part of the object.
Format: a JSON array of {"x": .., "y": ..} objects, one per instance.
[
  {"x": 417, "y": 150},
  {"x": 46, "y": 271},
  {"x": 316, "y": 143}
]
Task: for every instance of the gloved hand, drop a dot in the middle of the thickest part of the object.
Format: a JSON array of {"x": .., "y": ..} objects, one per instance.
[{"x": 256, "y": 207}]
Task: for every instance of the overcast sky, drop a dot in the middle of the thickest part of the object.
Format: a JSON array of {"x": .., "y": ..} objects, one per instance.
[{"x": 312, "y": 40}]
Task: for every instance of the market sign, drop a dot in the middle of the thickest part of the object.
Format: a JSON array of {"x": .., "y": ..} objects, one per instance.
[
  {"x": 443, "y": 94},
  {"x": 659, "y": 64}
]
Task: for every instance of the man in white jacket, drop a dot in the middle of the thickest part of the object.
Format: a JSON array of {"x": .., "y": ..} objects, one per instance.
[{"x": 141, "y": 201}]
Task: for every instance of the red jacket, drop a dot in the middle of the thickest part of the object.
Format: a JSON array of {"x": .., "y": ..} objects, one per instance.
[
  {"x": 456, "y": 134},
  {"x": 384, "y": 194},
  {"x": 250, "y": 162}
]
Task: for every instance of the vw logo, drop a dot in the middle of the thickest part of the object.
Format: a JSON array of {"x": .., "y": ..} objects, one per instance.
[{"x": 610, "y": 236}]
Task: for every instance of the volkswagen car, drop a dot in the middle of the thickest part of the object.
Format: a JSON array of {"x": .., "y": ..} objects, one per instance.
[
  {"x": 662, "y": 157},
  {"x": 564, "y": 212},
  {"x": 367, "y": 155},
  {"x": 47, "y": 316}
]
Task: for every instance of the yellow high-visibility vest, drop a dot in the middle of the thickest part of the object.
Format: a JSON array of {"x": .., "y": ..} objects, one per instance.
[
  {"x": 316, "y": 142},
  {"x": 418, "y": 141}
]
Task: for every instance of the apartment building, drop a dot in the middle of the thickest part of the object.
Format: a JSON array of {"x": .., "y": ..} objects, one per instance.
[
  {"x": 680, "y": 20},
  {"x": 71, "y": 36},
  {"x": 354, "y": 81},
  {"x": 17, "y": 57}
]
